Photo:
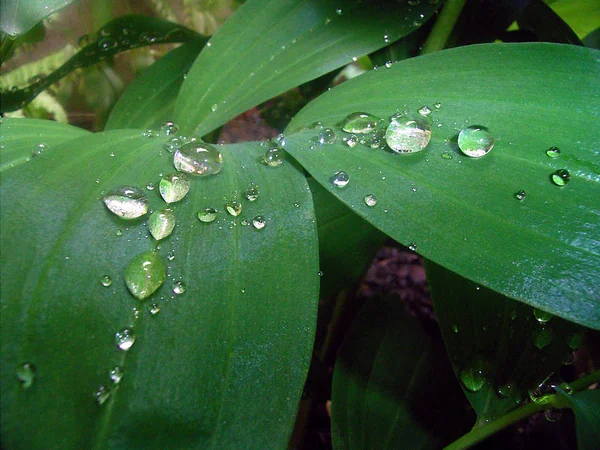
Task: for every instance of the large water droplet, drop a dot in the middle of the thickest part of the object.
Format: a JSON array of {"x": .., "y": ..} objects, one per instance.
[
  {"x": 252, "y": 193},
  {"x": 198, "y": 158},
  {"x": 340, "y": 179},
  {"x": 125, "y": 338},
  {"x": 168, "y": 128},
  {"x": 407, "y": 134},
  {"x": 161, "y": 223},
  {"x": 145, "y": 274},
  {"x": 174, "y": 187},
  {"x": 475, "y": 141},
  {"x": 25, "y": 373},
  {"x": 553, "y": 152},
  {"x": 561, "y": 177},
  {"x": 207, "y": 215},
  {"x": 233, "y": 207},
  {"x": 258, "y": 222},
  {"x": 360, "y": 122},
  {"x": 179, "y": 287},
  {"x": 106, "y": 280},
  {"x": 327, "y": 136},
  {"x": 116, "y": 374},
  {"x": 128, "y": 202},
  {"x": 541, "y": 316},
  {"x": 102, "y": 394},
  {"x": 274, "y": 157},
  {"x": 473, "y": 377},
  {"x": 370, "y": 200}
]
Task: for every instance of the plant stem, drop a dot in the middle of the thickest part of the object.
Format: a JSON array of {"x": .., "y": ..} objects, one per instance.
[
  {"x": 584, "y": 382},
  {"x": 443, "y": 26}
]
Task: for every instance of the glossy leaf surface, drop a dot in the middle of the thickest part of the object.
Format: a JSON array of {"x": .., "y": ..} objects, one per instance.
[
  {"x": 462, "y": 212},
  {"x": 254, "y": 57},
  {"x": 586, "y": 406},
  {"x": 17, "y": 17},
  {"x": 227, "y": 352}
]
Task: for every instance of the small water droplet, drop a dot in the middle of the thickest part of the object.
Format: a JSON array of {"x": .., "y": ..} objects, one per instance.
[
  {"x": 351, "y": 140},
  {"x": 437, "y": 105},
  {"x": 296, "y": 204},
  {"x": 505, "y": 390},
  {"x": 388, "y": 64},
  {"x": 179, "y": 287},
  {"x": 150, "y": 186},
  {"x": 542, "y": 316},
  {"x": 473, "y": 377},
  {"x": 542, "y": 337},
  {"x": 150, "y": 133},
  {"x": 207, "y": 215},
  {"x": 244, "y": 223},
  {"x": 252, "y": 193},
  {"x": 161, "y": 223},
  {"x": 424, "y": 111},
  {"x": 370, "y": 200},
  {"x": 561, "y": 177},
  {"x": 168, "y": 128},
  {"x": 446, "y": 155},
  {"x": 128, "y": 202},
  {"x": 174, "y": 143},
  {"x": 214, "y": 107},
  {"x": 173, "y": 187},
  {"x": 25, "y": 374},
  {"x": 154, "y": 309},
  {"x": 475, "y": 141},
  {"x": 145, "y": 274},
  {"x": 273, "y": 157},
  {"x": 38, "y": 150},
  {"x": 320, "y": 273},
  {"x": 116, "y": 374},
  {"x": 125, "y": 338},
  {"x": 413, "y": 247},
  {"x": 520, "y": 195},
  {"x": 340, "y": 179},
  {"x": 360, "y": 123},
  {"x": 119, "y": 232},
  {"x": 198, "y": 158},
  {"x": 553, "y": 152},
  {"x": 386, "y": 38},
  {"x": 106, "y": 280},
  {"x": 327, "y": 136},
  {"x": 408, "y": 134},
  {"x": 102, "y": 394},
  {"x": 258, "y": 222},
  {"x": 455, "y": 328},
  {"x": 339, "y": 11},
  {"x": 106, "y": 44},
  {"x": 233, "y": 207}
]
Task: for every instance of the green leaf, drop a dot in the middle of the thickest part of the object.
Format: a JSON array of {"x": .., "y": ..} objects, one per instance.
[
  {"x": 18, "y": 17},
  {"x": 20, "y": 139},
  {"x": 462, "y": 212},
  {"x": 500, "y": 349},
  {"x": 392, "y": 385},
  {"x": 546, "y": 24},
  {"x": 149, "y": 100},
  {"x": 119, "y": 35},
  {"x": 268, "y": 47},
  {"x": 581, "y": 15},
  {"x": 221, "y": 365},
  {"x": 586, "y": 406}
]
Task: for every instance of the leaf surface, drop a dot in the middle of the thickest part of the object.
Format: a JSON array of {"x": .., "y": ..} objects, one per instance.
[
  {"x": 228, "y": 355},
  {"x": 586, "y": 406},
  {"x": 17, "y": 17},
  {"x": 462, "y": 212}
]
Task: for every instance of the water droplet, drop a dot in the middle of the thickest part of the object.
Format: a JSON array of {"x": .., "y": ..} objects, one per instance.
[
  {"x": 244, "y": 223},
  {"x": 252, "y": 193},
  {"x": 161, "y": 223},
  {"x": 388, "y": 64},
  {"x": 174, "y": 187},
  {"x": 106, "y": 280},
  {"x": 214, "y": 107},
  {"x": 351, "y": 140},
  {"x": 424, "y": 111},
  {"x": 407, "y": 134},
  {"x": 574, "y": 341},
  {"x": 102, "y": 394},
  {"x": 339, "y": 11},
  {"x": 128, "y": 202},
  {"x": 561, "y": 177},
  {"x": 125, "y": 338},
  {"x": 38, "y": 150},
  {"x": 413, "y": 247},
  {"x": 233, "y": 207},
  {"x": 475, "y": 141},
  {"x": 149, "y": 134},
  {"x": 154, "y": 309},
  {"x": 179, "y": 287},
  {"x": 198, "y": 158},
  {"x": 327, "y": 136},
  {"x": 174, "y": 143},
  {"x": 168, "y": 128},
  {"x": 455, "y": 328},
  {"x": 386, "y": 38},
  {"x": 340, "y": 179},
  {"x": 145, "y": 274},
  {"x": 446, "y": 155},
  {"x": 116, "y": 374},
  {"x": 370, "y": 200},
  {"x": 320, "y": 273},
  {"x": 25, "y": 373},
  {"x": 505, "y": 390},
  {"x": 119, "y": 232},
  {"x": 273, "y": 157},
  {"x": 207, "y": 215},
  {"x": 542, "y": 337},
  {"x": 107, "y": 44},
  {"x": 258, "y": 222},
  {"x": 553, "y": 414},
  {"x": 541, "y": 316},
  {"x": 473, "y": 377},
  {"x": 150, "y": 186},
  {"x": 296, "y": 204},
  {"x": 520, "y": 195},
  {"x": 360, "y": 123},
  {"x": 553, "y": 152}
]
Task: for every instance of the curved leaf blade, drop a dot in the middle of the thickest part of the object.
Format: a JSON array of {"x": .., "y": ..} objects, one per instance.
[
  {"x": 18, "y": 17},
  {"x": 460, "y": 212},
  {"x": 228, "y": 355},
  {"x": 268, "y": 47},
  {"x": 586, "y": 406}
]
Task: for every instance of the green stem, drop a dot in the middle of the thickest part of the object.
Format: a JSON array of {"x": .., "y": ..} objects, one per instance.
[
  {"x": 583, "y": 382},
  {"x": 443, "y": 26}
]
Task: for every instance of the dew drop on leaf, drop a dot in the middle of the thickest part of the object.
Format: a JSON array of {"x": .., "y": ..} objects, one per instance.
[
  {"x": 561, "y": 177},
  {"x": 424, "y": 111},
  {"x": 179, "y": 287},
  {"x": 107, "y": 44},
  {"x": 553, "y": 152},
  {"x": 408, "y": 134},
  {"x": 207, "y": 215},
  {"x": 161, "y": 223},
  {"x": 327, "y": 136},
  {"x": 252, "y": 193},
  {"x": 173, "y": 187},
  {"x": 168, "y": 128},
  {"x": 125, "y": 338},
  {"x": 128, "y": 202},
  {"x": 154, "y": 309},
  {"x": 273, "y": 157},
  {"x": 360, "y": 123},
  {"x": 233, "y": 207},
  {"x": 475, "y": 141},
  {"x": 473, "y": 377},
  {"x": 505, "y": 390},
  {"x": 370, "y": 200},
  {"x": 38, "y": 150},
  {"x": 106, "y": 280},
  {"x": 145, "y": 274},
  {"x": 174, "y": 143},
  {"x": 25, "y": 374},
  {"x": 258, "y": 222},
  {"x": 351, "y": 140},
  {"x": 340, "y": 179},
  {"x": 116, "y": 374},
  {"x": 520, "y": 195},
  {"x": 102, "y": 394},
  {"x": 198, "y": 158},
  {"x": 541, "y": 316}
]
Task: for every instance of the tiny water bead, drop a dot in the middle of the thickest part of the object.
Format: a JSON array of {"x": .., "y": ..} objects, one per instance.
[
  {"x": 38, "y": 150},
  {"x": 340, "y": 179},
  {"x": 273, "y": 157},
  {"x": 179, "y": 287},
  {"x": 128, "y": 202},
  {"x": 350, "y": 140},
  {"x": 145, "y": 274},
  {"x": 154, "y": 309},
  {"x": 102, "y": 394},
  {"x": 168, "y": 128},
  {"x": 198, "y": 158},
  {"x": 553, "y": 152},
  {"x": 207, "y": 215},
  {"x": 125, "y": 338},
  {"x": 475, "y": 141},
  {"x": 174, "y": 143},
  {"x": 425, "y": 111},
  {"x": 370, "y": 200},
  {"x": 542, "y": 316},
  {"x": 505, "y": 390},
  {"x": 360, "y": 123},
  {"x": 106, "y": 280},
  {"x": 408, "y": 134},
  {"x": 107, "y": 44},
  {"x": 258, "y": 222},
  {"x": 252, "y": 193},
  {"x": 446, "y": 155},
  {"x": 233, "y": 207},
  {"x": 520, "y": 195},
  {"x": 116, "y": 374},
  {"x": 327, "y": 136},
  {"x": 174, "y": 187},
  {"x": 161, "y": 223},
  {"x": 561, "y": 177},
  {"x": 25, "y": 374}
]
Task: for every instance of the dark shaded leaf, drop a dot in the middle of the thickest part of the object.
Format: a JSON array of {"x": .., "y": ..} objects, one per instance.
[{"x": 547, "y": 26}]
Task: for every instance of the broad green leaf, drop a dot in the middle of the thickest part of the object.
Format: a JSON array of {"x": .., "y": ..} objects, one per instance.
[
  {"x": 392, "y": 385},
  {"x": 148, "y": 101},
  {"x": 462, "y": 212},
  {"x": 223, "y": 362},
  {"x": 268, "y": 47},
  {"x": 546, "y": 24},
  {"x": 500, "y": 348},
  {"x": 586, "y": 406},
  {"x": 581, "y": 15},
  {"x": 17, "y": 17},
  {"x": 20, "y": 139},
  {"x": 119, "y": 35}
]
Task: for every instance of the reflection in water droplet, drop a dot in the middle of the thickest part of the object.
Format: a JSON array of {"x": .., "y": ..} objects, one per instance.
[
  {"x": 425, "y": 111},
  {"x": 475, "y": 141},
  {"x": 340, "y": 179},
  {"x": 553, "y": 152},
  {"x": 542, "y": 337},
  {"x": 116, "y": 374},
  {"x": 327, "y": 136},
  {"x": 198, "y": 158},
  {"x": 233, "y": 207},
  {"x": 561, "y": 177},
  {"x": 102, "y": 394},
  {"x": 360, "y": 123},
  {"x": 207, "y": 215},
  {"x": 168, "y": 128},
  {"x": 252, "y": 193},
  {"x": 25, "y": 374},
  {"x": 407, "y": 134},
  {"x": 145, "y": 274},
  {"x": 119, "y": 232},
  {"x": 128, "y": 202},
  {"x": 106, "y": 280},
  {"x": 370, "y": 200},
  {"x": 161, "y": 223},
  {"x": 446, "y": 155},
  {"x": 154, "y": 309},
  {"x": 541, "y": 316},
  {"x": 520, "y": 195},
  {"x": 258, "y": 222},
  {"x": 125, "y": 338},
  {"x": 173, "y": 187},
  {"x": 179, "y": 287},
  {"x": 274, "y": 157}
]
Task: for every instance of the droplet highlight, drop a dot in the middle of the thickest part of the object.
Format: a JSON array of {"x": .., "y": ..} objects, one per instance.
[
  {"x": 273, "y": 157},
  {"x": 25, "y": 374},
  {"x": 106, "y": 280},
  {"x": 520, "y": 195},
  {"x": 252, "y": 193},
  {"x": 179, "y": 287},
  {"x": 542, "y": 316},
  {"x": 116, "y": 374},
  {"x": 234, "y": 208},
  {"x": 327, "y": 136},
  {"x": 553, "y": 152}
]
